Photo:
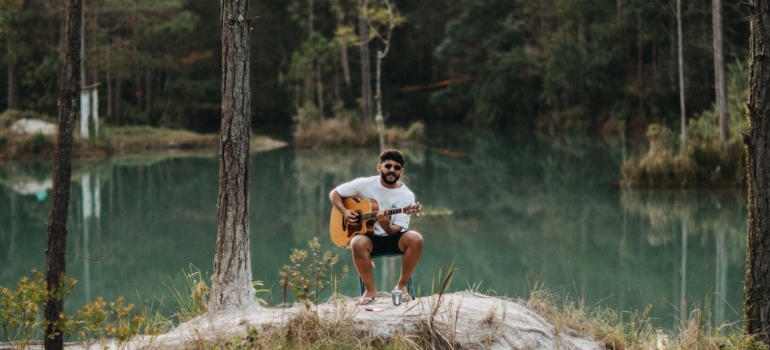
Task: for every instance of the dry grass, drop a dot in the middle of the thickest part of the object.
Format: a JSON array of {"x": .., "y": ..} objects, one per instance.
[
  {"x": 341, "y": 132},
  {"x": 139, "y": 138},
  {"x": 635, "y": 330},
  {"x": 127, "y": 140},
  {"x": 666, "y": 164}
]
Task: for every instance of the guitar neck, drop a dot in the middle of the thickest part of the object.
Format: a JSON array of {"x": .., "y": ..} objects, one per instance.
[{"x": 372, "y": 215}]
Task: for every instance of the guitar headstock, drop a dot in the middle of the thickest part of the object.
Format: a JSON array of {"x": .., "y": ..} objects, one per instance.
[{"x": 414, "y": 208}]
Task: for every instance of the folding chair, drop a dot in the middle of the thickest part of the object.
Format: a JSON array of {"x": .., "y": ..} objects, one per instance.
[{"x": 409, "y": 284}]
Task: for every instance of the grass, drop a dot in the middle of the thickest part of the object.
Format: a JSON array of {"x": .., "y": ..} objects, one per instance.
[
  {"x": 312, "y": 131},
  {"x": 337, "y": 325},
  {"x": 123, "y": 141},
  {"x": 140, "y": 138}
]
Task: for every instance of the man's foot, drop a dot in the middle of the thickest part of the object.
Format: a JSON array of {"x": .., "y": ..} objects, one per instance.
[{"x": 365, "y": 300}]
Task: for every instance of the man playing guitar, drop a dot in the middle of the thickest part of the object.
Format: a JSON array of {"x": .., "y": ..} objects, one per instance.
[{"x": 391, "y": 232}]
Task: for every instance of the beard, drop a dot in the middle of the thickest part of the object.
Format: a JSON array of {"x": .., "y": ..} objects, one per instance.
[{"x": 385, "y": 179}]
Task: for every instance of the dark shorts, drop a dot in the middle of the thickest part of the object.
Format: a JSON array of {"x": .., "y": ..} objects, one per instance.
[{"x": 385, "y": 244}]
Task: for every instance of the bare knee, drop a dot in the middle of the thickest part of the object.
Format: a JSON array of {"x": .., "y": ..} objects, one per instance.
[
  {"x": 411, "y": 240},
  {"x": 361, "y": 245}
]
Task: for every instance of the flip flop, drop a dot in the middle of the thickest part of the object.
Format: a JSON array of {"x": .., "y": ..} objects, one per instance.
[{"x": 365, "y": 301}]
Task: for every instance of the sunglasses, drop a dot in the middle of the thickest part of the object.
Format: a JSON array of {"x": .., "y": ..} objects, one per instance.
[{"x": 396, "y": 167}]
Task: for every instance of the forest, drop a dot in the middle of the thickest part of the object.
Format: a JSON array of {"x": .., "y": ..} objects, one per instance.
[{"x": 567, "y": 66}]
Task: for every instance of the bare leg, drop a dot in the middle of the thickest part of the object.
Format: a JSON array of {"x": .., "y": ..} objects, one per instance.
[
  {"x": 411, "y": 244},
  {"x": 362, "y": 247}
]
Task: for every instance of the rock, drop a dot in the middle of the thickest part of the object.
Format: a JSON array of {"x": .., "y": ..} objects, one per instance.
[
  {"x": 461, "y": 320},
  {"x": 31, "y": 126}
]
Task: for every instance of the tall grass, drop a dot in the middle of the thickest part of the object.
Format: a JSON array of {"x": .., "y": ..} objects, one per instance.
[
  {"x": 636, "y": 330},
  {"x": 347, "y": 131}
]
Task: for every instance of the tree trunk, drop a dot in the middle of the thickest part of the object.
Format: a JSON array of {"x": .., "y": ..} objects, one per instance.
[
  {"x": 118, "y": 101},
  {"x": 366, "y": 73},
  {"x": 683, "y": 116},
  {"x": 719, "y": 71},
  {"x": 319, "y": 88},
  {"x": 640, "y": 62},
  {"x": 62, "y": 174},
  {"x": 757, "y": 280},
  {"x": 85, "y": 97},
  {"x": 380, "y": 119},
  {"x": 13, "y": 87},
  {"x": 345, "y": 62},
  {"x": 232, "y": 281},
  {"x": 147, "y": 92}
]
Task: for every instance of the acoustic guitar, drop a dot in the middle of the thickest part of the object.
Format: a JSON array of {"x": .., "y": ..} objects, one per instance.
[{"x": 341, "y": 231}]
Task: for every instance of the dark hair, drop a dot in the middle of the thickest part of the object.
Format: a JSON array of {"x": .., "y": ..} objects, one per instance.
[{"x": 392, "y": 154}]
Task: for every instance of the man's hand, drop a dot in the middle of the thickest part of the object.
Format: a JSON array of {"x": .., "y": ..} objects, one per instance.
[
  {"x": 351, "y": 216},
  {"x": 383, "y": 218}
]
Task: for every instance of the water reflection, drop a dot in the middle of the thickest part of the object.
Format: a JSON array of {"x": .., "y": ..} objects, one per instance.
[{"x": 512, "y": 215}]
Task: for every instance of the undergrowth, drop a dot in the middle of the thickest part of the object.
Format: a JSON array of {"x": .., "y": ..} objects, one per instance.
[{"x": 337, "y": 326}]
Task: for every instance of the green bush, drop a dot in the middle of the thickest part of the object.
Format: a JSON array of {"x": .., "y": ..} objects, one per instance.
[
  {"x": 20, "y": 310},
  {"x": 307, "y": 278},
  {"x": 21, "y": 317}
]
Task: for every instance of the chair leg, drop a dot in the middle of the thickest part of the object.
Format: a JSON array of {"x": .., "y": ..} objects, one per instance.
[{"x": 410, "y": 287}]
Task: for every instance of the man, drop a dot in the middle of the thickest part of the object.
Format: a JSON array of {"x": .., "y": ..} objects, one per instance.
[{"x": 391, "y": 232}]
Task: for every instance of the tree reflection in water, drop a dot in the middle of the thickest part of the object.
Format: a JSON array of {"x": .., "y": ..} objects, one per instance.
[{"x": 512, "y": 214}]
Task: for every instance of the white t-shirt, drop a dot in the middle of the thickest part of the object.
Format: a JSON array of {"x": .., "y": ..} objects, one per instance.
[{"x": 387, "y": 198}]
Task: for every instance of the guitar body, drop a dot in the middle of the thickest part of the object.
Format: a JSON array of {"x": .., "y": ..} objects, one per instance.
[{"x": 341, "y": 231}]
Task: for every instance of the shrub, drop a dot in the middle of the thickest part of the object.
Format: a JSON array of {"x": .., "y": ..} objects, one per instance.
[
  {"x": 20, "y": 310},
  {"x": 308, "y": 278},
  {"x": 21, "y": 318}
]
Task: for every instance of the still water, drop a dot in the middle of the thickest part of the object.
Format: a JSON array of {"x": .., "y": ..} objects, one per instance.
[{"x": 513, "y": 215}]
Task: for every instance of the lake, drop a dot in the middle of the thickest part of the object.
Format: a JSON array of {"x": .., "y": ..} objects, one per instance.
[{"x": 515, "y": 215}]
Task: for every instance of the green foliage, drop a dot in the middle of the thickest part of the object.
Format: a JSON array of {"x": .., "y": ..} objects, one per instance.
[
  {"x": 10, "y": 7},
  {"x": 562, "y": 65},
  {"x": 439, "y": 286},
  {"x": 736, "y": 340},
  {"x": 96, "y": 321},
  {"x": 192, "y": 299},
  {"x": 21, "y": 318},
  {"x": 706, "y": 160},
  {"x": 307, "y": 276},
  {"x": 20, "y": 310}
]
